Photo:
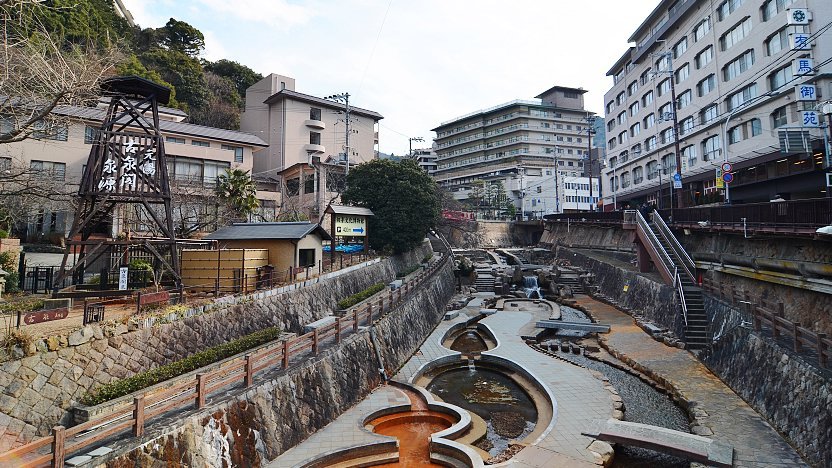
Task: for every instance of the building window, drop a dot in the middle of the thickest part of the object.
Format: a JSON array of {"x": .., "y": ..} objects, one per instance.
[
  {"x": 645, "y": 76},
  {"x": 742, "y": 96},
  {"x": 622, "y": 117},
  {"x": 635, "y": 108},
  {"x": 314, "y": 138},
  {"x": 711, "y": 148},
  {"x": 682, "y": 73},
  {"x": 689, "y": 154},
  {"x": 238, "y": 152},
  {"x": 638, "y": 175},
  {"x": 779, "y": 117},
  {"x": 703, "y": 58},
  {"x": 685, "y": 99},
  {"x": 610, "y": 106},
  {"x": 172, "y": 139},
  {"x": 49, "y": 130},
  {"x": 663, "y": 63},
  {"x": 708, "y": 114},
  {"x": 780, "y": 78},
  {"x": 635, "y": 129},
  {"x": 90, "y": 135},
  {"x": 306, "y": 258},
  {"x": 735, "y": 34},
  {"x": 706, "y": 85},
  {"x": 668, "y": 163},
  {"x": 686, "y": 126},
  {"x": 701, "y": 29},
  {"x": 680, "y": 47},
  {"x": 54, "y": 170},
  {"x": 773, "y": 7},
  {"x": 652, "y": 170},
  {"x": 650, "y": 143},
  {"x": 756, "y": 127},
  {"x": 777, "y": 42},
  {"x": 666, "y": 112},
  {"x": 666, "y": 135},
  {"x": 632, "y": 88},
  {"x": 664, "y": 87},
  {"x": 619, "y": 99},
  {"x": 200, "y": 143},
  {"x": 649, "y": 121},
  {"x": 727, "y": 7},
  {"x": 739, "y": 65},
  {"x": 314, "y": 113},
  {"x": 293, "y": 187},
  {"x": 647, "y": 99},
  {"x": 734, "y": 134},
  {"x": 214, "y": 169}
]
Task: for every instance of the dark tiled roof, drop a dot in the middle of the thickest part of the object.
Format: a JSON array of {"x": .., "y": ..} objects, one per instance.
[
  {"x": 286, "y": 93},
  {"x": 349, "y": 210},
  {"x": 168, "y": 126},
  {"x": 243, "y": 231}
]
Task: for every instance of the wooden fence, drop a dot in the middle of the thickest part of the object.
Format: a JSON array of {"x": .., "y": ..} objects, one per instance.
[
  {"x": 52, "y": 449},
  {"x": 770, "y": 314}
]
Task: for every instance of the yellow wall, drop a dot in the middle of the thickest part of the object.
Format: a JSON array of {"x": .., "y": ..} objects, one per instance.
[{"x": 199, "y": 268}]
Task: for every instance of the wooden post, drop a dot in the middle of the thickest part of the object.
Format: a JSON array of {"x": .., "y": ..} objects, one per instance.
[
  {"x": 355, "y": 320},
  {"x": 181, "y": 294},
  {"x": 286, "y": 354},
  {"x": 315, "y": 341},
  {"x": 820, "y": 348},
  {"x": 58, "y": 436},
  {"x": 796, "y": 334},
  {"x": 201, "y": 381},
  {"x": 139, "y": 301},
  {"x": 249, "y": 370},
  {"x": 338, "y": 330},
  {"x": 780, "y": 313},
  {"x": 138, "y": 416}
]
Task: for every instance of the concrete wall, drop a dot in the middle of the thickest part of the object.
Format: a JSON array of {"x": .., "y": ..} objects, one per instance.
[
  {"x": 279, "y": 413},
  {"x": 36, "y": 391},
  {"x": 582, "y": 235},
  {"x": 792, "y": 395}
]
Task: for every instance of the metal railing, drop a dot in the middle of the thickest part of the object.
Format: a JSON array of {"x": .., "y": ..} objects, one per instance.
[
  {"x": 677, "y": 282},
  {"x": 594, "y": 217},
  {"x": 657, "y": 246},
  {"x": 781, "y": 215},
  {"x": 687, "y": 263},
  {"x": 194, "y": 391}
]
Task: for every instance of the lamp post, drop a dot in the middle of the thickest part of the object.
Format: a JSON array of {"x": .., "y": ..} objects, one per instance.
[
  {"x": 826, "y": 109},
  {"x": 345, "y": 98},
  {"x": 410, "y": 144},
  {"x": 557, "y": 187}
]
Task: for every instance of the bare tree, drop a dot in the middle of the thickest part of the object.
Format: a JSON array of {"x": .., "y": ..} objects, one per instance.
[
  {"x": 38, "y": 73},
  {"x": 25, "y": 190}
]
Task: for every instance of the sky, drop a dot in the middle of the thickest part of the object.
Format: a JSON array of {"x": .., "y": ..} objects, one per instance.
[{"x": 417, "y": 62}]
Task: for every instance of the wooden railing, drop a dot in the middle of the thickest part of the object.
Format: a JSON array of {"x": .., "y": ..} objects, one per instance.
[
  {"x": 52, "y": 449},
  {"x": 771, "y": 315}
]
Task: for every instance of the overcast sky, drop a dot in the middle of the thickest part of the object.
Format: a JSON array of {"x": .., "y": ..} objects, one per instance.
[{"x": 417, "y": 62}]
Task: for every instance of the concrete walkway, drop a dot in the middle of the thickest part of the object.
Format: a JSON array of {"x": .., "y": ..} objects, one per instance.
[{"x": 732, "y": 420}]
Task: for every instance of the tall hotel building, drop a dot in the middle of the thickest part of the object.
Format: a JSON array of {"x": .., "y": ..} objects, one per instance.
[
  {"x": 750, "y": 79},
  {"x": 517, "y": 144}
]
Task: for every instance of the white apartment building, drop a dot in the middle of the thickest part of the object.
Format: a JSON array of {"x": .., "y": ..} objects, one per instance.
[
  {"x": 518, "y": 144},
  {"x": 196, "y": 155},
  {"x": 306, "y": 137},
  {"x": 743, "y": 72},
  {"x": 426, "y": 158}
]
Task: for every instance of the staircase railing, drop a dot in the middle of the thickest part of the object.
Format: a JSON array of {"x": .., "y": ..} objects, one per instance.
[
  {"x": 677, "y": 281},
  {"x": 687, "y": 263},
  {"x": 657, "y": 246}
]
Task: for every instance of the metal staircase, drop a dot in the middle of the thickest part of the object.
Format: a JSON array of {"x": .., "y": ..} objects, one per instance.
[{"x": 676, "y": 266}]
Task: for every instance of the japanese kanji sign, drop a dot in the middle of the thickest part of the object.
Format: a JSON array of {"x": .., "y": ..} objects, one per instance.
[
  {"x": 810, "y": 119},
  {"x": 804, "y": 66},
  {"x": 806, "y": 92},
  {"x": 129, "y": 166},
  {"x": 801, "y": 41}
]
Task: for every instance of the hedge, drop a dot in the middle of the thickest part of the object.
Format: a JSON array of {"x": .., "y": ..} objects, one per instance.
[
  {"x": 145, "y": 379},
  {"x": 410, "y": 270},
  {"x": 350, "y": 301}
]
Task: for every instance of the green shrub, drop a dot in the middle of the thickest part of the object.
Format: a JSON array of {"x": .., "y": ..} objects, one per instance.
[
  {"x": 4, "y": 234},
  {"x": 22, "y": 305},
  {"x": 410, "y": 270},
  {"x": 145, "y": 379},
  {"x": 358, "y": 297},
  {"x": 427, "y": 257},
  {"x": 140, "y": 265},
  {"x": 7, "y": 261},
  {"x": 12, "y": 282}
]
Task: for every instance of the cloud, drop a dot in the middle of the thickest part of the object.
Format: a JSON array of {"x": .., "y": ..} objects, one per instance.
[
  {"x": 214, "y": 49},
  {"x": 275, "y": 13}
]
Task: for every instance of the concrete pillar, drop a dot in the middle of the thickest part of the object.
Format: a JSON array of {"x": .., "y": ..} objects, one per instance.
[{"x": 644, "y": 262}]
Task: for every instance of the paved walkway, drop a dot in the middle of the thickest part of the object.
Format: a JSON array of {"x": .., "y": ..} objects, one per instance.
[
  {"x": 346, "y": 431},
  {"x": 732, "y": 420}
]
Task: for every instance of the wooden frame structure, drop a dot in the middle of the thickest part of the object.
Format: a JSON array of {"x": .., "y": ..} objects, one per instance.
[{"x": 127, "y": 166}]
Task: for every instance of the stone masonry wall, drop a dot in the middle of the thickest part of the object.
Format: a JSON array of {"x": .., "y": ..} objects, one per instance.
[
  {"x": 582, "y": 235},
  {"x": 37, "y": 391},
  {"x": 656, "y": 302},
  {"x": 277, "y": 414},
  {"x": 791, "y": 394}
]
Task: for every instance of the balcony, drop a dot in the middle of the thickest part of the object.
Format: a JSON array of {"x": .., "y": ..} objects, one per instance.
[
  {"x": 313, "y": 148},
  {"x": 317, "y": 124}
]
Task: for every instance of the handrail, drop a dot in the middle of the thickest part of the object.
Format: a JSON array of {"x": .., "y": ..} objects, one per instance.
[
  {"x": 654, "y": 242},
  {"x": 677, "y": 281},
  {"x": 197, "y": 389},
  {"x": 687, "y": 262}
]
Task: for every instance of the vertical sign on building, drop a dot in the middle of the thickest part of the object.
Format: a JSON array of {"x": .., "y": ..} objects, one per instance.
[
  {"x": 122, "y": 278},
  {"x": 804, "y": 66},
  {"x": 810, "y": 119},
  {"x": 806, "y": 93}
]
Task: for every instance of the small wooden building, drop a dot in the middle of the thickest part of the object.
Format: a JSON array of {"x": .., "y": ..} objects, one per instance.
[{"x": 295, "y": 244}]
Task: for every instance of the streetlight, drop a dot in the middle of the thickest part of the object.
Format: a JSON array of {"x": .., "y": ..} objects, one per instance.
[
  {"x": 410, "y": 144},
  {"x": 345, "y": 98}
]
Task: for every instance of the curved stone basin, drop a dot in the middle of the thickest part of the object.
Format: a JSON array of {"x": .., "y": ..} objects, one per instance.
[{"x": 413, "y": 429}]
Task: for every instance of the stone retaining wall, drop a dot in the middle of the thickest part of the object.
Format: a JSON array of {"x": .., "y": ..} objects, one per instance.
[
  {"x": 792, "y": 395},
  {"x": 582, "y": 235},
  {"x": 37, "y": 391},
  {"x": 279, "y": 413}
]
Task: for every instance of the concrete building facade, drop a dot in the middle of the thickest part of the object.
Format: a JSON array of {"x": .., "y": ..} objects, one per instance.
[
  {"x": 306, "y": 137},
  {"x": 737, "y": 68},
  {"x": 516, "y": 145}
]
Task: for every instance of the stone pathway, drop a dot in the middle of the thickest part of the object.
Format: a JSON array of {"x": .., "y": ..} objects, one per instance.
[
  {"x": 346, "y": 431},
  {"x": 732, "y": 420}
]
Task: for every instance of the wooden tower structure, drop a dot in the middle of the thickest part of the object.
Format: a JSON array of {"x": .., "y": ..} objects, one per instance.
[{"x": 126, "y": 168}]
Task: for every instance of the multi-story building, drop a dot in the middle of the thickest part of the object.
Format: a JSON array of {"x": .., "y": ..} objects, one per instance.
[
  {"x": 517, "y": 144},
  {"x": 307, "y": 142},
  {"x": 745, "y": 74},
  {"x": 196, "y": 156},
  {"x": 426, "y": 158}
]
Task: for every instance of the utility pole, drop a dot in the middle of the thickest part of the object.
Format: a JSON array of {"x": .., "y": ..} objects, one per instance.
[
  {"x": 410, "y": 144},
  {"x": 679, "y": 197},
  {"x": 590, "y": 122},
  {"x": 345, "y": 98},
  {"x": 557, "y": 187}
]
